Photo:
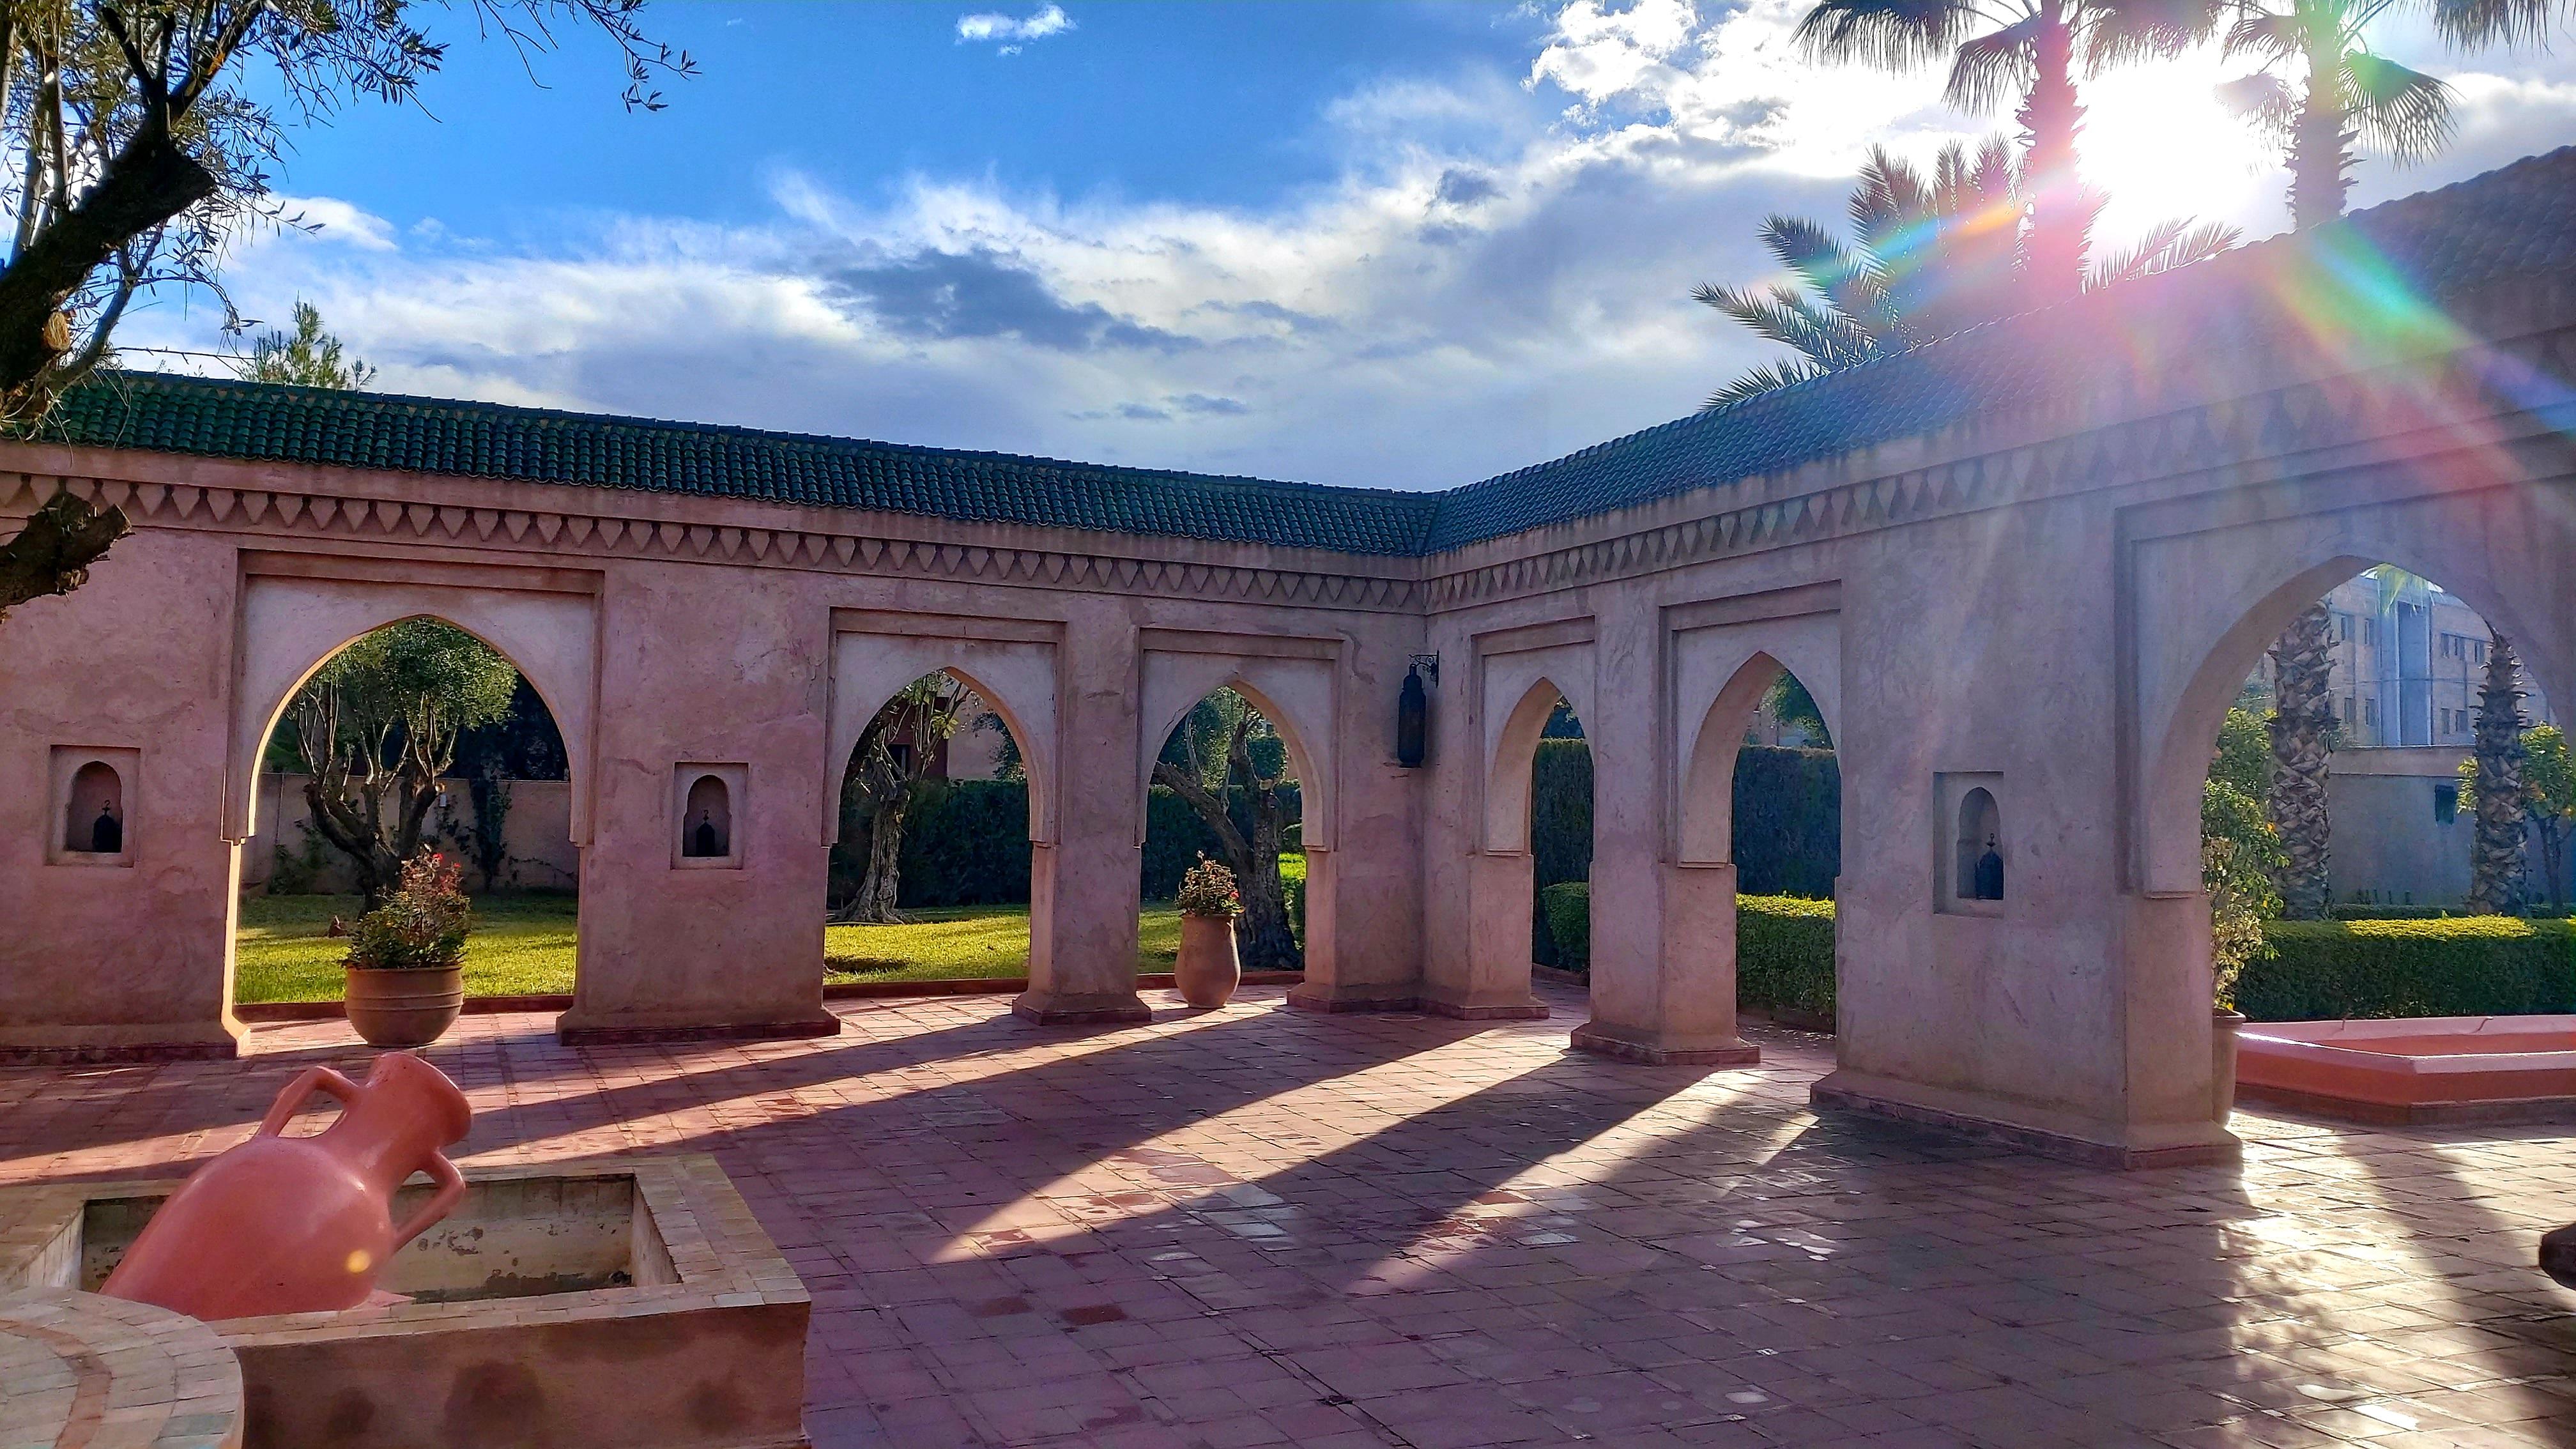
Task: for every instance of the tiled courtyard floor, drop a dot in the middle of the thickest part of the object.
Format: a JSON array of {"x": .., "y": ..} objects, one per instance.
[{"x": 1255, "y": 1226}]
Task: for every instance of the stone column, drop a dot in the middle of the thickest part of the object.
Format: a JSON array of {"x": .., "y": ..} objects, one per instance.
[
  {"x": 1083, "y": 885},
  {"x": 1498, "y": 944},
  {"x": 1689, "y": 995},
  {"x": 1364, "y": 917}
]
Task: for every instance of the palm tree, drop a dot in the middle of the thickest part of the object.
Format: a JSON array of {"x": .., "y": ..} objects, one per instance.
[
  {"x": 1931, "y": 256},
  {"x": 2024, "y": 47},
  {"x": 2495, "y": 859},
  {"x": 2345, "y": 95}
]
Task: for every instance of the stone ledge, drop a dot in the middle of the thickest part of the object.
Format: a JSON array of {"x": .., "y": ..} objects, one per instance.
[
  {"x": 1335, "y": 1005},
  {"x": 2411, "y": 1114},
  {"x": 1089, "y": 1009},
  {"x": 1827, "y": 1095},
  {"x": 1601, "y": 1043},
  {"x": 1499, "y": 1011},
  {"x": 825, "y": 1025}
]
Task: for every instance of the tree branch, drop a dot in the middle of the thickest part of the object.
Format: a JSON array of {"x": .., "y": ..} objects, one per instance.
[{"x": 52, "y": 554}]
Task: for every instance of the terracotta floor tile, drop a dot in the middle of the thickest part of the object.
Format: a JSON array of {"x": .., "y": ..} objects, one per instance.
[{"x": 1257, "y": 1227}]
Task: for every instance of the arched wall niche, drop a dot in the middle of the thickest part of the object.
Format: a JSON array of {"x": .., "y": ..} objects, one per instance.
[
  {"x": 544, "y": 621},
  {"x": 1009, "y": 664},
  {"x": 94, "y": 821},
  {"x": 2209, "y": 603},
  {"x": 91, "y": 817},
  {"x": 1294, "y": 683},
  {"x": 706, "y": 818}
]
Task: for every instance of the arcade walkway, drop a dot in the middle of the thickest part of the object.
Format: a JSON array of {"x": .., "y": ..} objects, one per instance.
[{"x": 1257, "y": 1227}]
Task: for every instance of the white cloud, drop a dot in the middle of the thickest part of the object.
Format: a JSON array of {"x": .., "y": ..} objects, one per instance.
[
  {"x": 1048, "y": 19},
  {"x": 329, "y": 219},
  {"x": 1499, "y": 275}
]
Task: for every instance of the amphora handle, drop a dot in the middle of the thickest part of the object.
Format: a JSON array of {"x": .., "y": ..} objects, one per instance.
[
  {"x": 451, "y": 1186},
  {"x": 306, "y": 1083}
]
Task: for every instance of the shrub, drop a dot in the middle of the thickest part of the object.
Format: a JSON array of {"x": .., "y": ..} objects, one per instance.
[
  {"x": 1208, "y": 890},
  {"x": 1567, "y": 908},
  {"x": 2464, "y": 966},
  {"x": 1175, "y": 836},
  {"x": 966, "y": 844},
  {"x": 421, "y": 925},
  {"x": 1292, "y": 896},
  {"x": 1784, "y": 953}
]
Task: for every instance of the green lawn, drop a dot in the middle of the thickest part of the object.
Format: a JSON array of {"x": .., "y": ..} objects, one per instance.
[{"x": 524, "y": 944}]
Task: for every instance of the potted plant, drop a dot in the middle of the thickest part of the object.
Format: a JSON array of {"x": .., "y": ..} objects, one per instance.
[
  {"x": 1208, "y": 971},
  {"x": 406, "y": 982}
]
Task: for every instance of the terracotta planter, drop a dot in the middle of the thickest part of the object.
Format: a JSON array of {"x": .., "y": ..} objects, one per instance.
[
  {"x": 1207, "y": 971},
  {"x": 2222, "y": 1063},
  {"x": 404, "y": 1008}
]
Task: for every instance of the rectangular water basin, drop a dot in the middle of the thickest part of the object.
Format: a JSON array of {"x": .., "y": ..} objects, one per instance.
[
  {"x": 633, "y": 1303},
  {"x": 2415, "y": 1069}
]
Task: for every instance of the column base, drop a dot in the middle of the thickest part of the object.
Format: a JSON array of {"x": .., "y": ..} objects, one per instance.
[
  {"x": 2062, "y": 1136},
  {"x": 573, "y": 1032},
  {"x": 1644, "y": 1049},
  {"x": 1363, "y": 997},
  {"x": 1531, "y": 1009},
  {"x": 1050, "y": 1008},
  {"x": 121, "y": 1042}
]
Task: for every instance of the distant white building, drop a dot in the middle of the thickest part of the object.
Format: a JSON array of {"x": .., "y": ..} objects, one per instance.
[{"x": 2409, "y": 659}]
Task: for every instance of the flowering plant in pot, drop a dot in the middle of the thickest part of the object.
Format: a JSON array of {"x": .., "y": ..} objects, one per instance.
[
  {"x": 1208, "y": 970},
  {"x": 406, "y": 978}
]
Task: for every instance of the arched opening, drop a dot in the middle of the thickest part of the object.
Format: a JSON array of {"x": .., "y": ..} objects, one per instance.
[
  {"x": 1762, "y": 797},
  {"x": 1226, "y": 787},
  {"x": 1977, "y": 862},
  {"x": 416, "y": 737},
  {"x": 930, "y": 872},
  {"x": 94, "y": 819},
  {"x": 706, "y": 823},
  {"x": 2334, "y": 741}
]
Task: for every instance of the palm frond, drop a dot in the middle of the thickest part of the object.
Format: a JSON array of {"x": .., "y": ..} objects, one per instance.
[
  {"x": 1994, "y": 67},
  {"x": 2173, "y": 242},
  {"x": 2474, "y": 23},
  {"x": 2262, "y": 99},
  {"x": 1769, "y": 377},
  {"x": 2122, "y": 32},
  {"x": 2403, "y": 112},
  {"x": 1849, "y": 280},
  {"x": 1777, "y": 314},
  {"x": 1890, "y": 197},
  {"x": 1890, "y": 34},
  {"x": 2260, "y": 33}
]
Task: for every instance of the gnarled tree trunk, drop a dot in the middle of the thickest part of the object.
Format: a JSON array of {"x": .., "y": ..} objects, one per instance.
[{"x": 52, "y": 554}]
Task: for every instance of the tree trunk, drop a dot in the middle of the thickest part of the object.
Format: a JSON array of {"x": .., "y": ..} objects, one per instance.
[
  {"x": 2051, "y": 118},
  {"x": 2321, "y": 135},
  {"x": 2495, "y": 861},
  {"x": 145, "y": 184},
  {"x": 2553, "y": 859},
  {"x": 882, "y": 881},
  {"x": 52, "y": 554},
  {"x": 2302, "y": 681}
]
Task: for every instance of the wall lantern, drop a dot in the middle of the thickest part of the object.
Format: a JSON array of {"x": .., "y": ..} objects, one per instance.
[{"x": 1413, "y": 711}]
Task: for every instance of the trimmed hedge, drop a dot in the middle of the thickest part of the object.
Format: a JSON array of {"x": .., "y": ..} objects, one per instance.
[
  {"x": 1784, "y": 953},
  {"x": 1566, "y": 907},
  {"x": 2462, "y": 966},
  {"x": 967, "y": 844},
  {"x": 1784, "y": 945},
  {"x": 1560, "y": 836}
]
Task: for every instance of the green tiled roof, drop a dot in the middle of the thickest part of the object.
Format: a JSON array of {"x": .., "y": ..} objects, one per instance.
[
  {"x": 2519, "y": 220},
  {"x": 168, "y": 413}
]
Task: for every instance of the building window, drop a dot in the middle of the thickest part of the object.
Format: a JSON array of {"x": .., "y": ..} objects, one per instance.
[
  {"x": 2446, "y": 802},
  {"x": 2347, "y": 709},
  {"x": 2370, "y": 713},
  {"x": 2477, "y": 651}
]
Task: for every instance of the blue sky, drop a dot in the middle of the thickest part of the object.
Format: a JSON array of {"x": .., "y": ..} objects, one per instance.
[{"x": 1401, "y": 244}]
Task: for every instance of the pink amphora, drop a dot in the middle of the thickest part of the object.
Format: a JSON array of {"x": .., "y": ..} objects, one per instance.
[{"x": 286, "y": 1224}]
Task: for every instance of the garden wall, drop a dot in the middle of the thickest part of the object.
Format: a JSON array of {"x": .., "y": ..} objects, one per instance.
[{"x": 537, "y": 835}]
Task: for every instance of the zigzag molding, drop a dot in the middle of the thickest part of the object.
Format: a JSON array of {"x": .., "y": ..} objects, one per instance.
[
  {"x": 567, "y": 536},
  {"x": 2233, "y": 440}
]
